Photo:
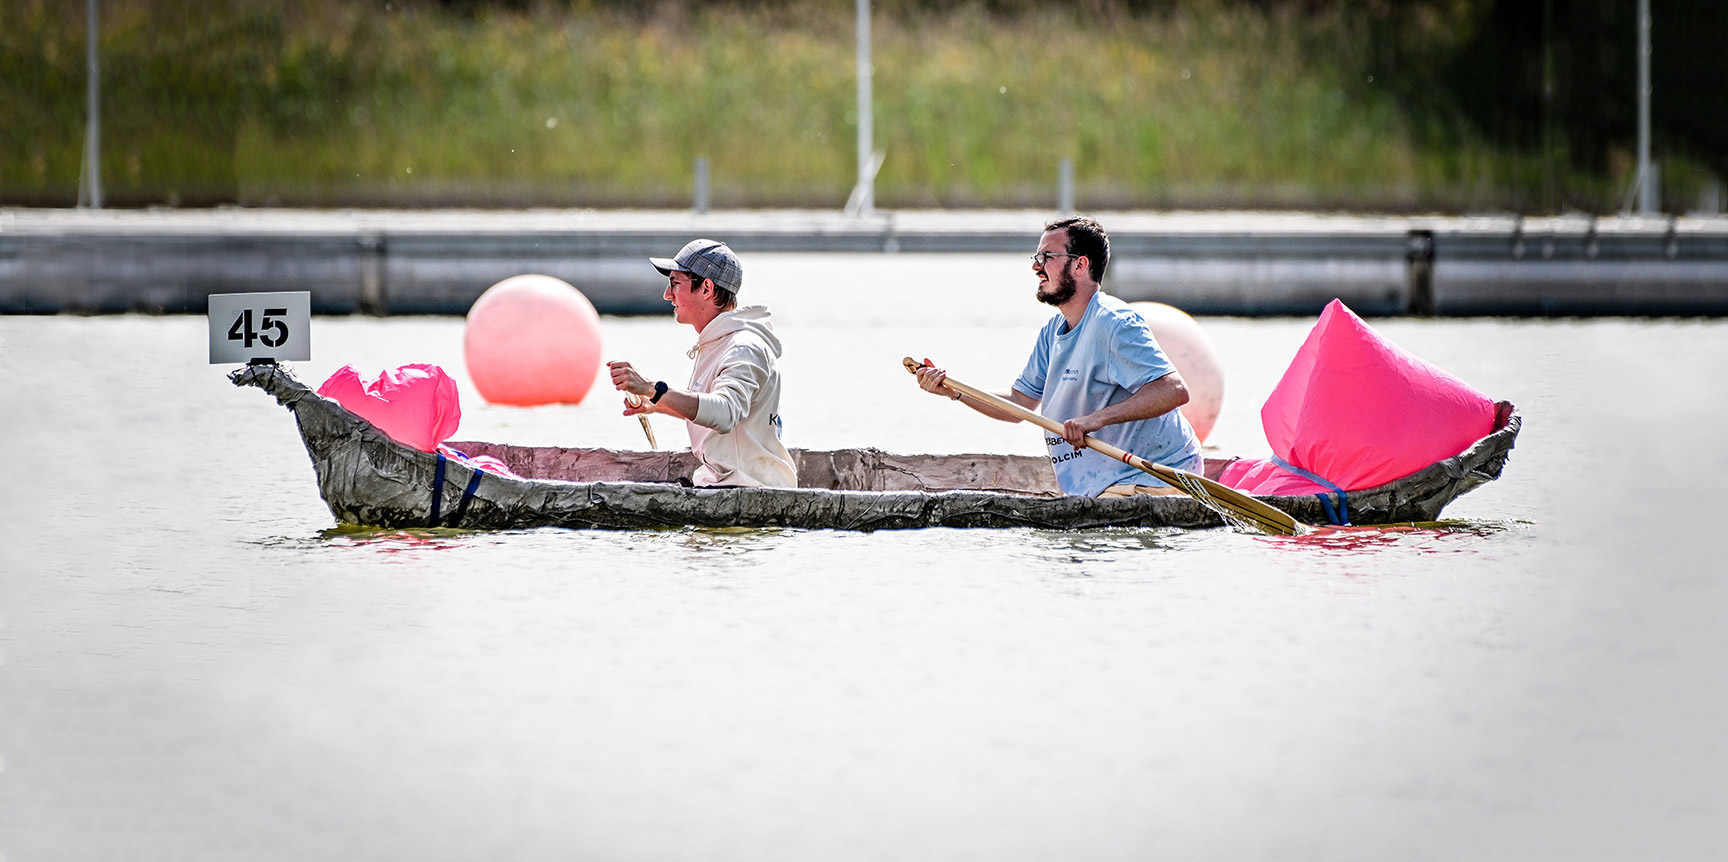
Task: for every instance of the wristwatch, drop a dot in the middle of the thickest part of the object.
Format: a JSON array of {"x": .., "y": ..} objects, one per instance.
[{"x": 660, "y": 388}]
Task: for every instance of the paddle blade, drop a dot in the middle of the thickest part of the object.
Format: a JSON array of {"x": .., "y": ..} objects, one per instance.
[{"x": 1237, "y": 508}]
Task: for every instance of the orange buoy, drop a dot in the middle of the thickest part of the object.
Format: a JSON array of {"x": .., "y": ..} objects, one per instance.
[
  {"x": 532, "y": 339},
  {"x": 1196, "y": 358}
]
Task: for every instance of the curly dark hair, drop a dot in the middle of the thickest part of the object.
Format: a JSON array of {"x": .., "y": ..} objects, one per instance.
[{"x": 1087, "y": 239}]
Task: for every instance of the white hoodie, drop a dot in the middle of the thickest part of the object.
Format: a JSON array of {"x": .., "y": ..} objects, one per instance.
[{"x": 736, "y": 433}]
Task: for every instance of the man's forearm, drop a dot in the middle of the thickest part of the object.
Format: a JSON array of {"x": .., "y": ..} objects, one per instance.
[
  {"x": 1157, "y": 398},
  {"x": 1161, "y": 396}
]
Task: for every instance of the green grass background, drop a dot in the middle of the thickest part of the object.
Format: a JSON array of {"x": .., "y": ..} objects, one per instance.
[{"x": 1198, "y": 104}]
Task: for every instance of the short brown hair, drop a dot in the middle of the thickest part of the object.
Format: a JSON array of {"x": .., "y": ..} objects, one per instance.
[
  {"x": 724, "y": 299},
  {"x": 1087, "y": 239}
]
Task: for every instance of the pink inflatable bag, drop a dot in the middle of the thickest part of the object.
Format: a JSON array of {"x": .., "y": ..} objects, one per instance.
[
  {"x": 417, "y": 405},
  {"x": 1358, "y": 411}
]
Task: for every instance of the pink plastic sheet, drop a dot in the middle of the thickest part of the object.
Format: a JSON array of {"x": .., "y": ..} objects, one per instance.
[
  {"x": 1359, "y": 411},
  {"x": 417, "y": 405},
  {"x": 479, "y": 462}
]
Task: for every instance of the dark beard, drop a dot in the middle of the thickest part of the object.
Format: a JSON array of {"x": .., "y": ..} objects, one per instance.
[{"x": 1065, "y": 288}]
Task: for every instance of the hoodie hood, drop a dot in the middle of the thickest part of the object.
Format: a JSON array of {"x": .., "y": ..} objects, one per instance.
[{"x": 751, "y": 318}]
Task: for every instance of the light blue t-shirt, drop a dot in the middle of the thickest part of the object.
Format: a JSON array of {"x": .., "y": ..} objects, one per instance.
[{"x": 1103, "y": 361}]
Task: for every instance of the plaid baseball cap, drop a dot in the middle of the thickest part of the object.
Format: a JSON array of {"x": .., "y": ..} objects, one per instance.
[{"x": 705, "y": 258}]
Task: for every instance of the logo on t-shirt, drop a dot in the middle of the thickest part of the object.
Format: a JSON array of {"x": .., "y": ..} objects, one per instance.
[
  {"x": 1070, "y": 375},
  {"x": 1069, "y": 455}
]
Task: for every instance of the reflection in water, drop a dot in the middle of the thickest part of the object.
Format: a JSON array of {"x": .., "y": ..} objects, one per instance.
[
  {"x": 1438, "y": 537},
  {"x": 1085, "y": 550},
  {"x": 397, "y": 540},
  {"x": 1108, "y": 539},
  {"x": 694, "y": 548},
  {"x": 727, "y": 540},
  {"x": 1444, "y": 537},
  {"x": 1402, "y": 549},
  {"x": 710, "y": 551},
  {"x": 1349, "y": 551},
  {"x": 1079, "y": 553}
]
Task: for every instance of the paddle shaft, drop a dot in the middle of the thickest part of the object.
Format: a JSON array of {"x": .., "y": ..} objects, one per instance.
[
  {"x": 636, "y": 401},
  {"x": 1234, "y": 505}
]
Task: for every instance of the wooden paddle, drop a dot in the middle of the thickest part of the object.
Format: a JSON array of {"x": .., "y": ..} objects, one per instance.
[{"x": 1236, "y": 507}]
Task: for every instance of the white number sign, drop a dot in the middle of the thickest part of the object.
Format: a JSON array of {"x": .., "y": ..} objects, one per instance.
[{"x": 248, "y": 326}]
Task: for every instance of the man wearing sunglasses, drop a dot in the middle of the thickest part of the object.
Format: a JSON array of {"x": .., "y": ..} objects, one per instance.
[
  {"x": 732, "y": 406},
  {"x": 1096, "y": 369}
]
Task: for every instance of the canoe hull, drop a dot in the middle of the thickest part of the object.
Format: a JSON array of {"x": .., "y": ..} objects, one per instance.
[{"x": 368, "y": 479}]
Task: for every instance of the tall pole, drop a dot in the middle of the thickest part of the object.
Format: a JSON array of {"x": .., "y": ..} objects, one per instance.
[
  {"x": 1548, "y": 195},
  {"x": 1649, "y": 195},
  {"x": 93, "y": 125},
  {"x": 865, "y": 193}
]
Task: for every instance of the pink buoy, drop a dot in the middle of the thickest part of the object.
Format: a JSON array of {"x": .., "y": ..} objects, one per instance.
[
  {"x": 532, "y": 339},
  {"x": 1196, "y": 358}
]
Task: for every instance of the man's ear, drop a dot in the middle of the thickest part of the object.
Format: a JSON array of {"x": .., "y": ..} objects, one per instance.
[{"x": 707, "y": 286}]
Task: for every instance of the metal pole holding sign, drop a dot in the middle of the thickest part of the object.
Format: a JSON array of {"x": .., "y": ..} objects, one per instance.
[{"x": 260, "y": 327}]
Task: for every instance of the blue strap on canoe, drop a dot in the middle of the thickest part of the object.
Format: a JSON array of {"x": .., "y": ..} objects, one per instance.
[
  {"x": 1339, "y": 514},
  {"x": 467, "y": 495},
  {"x": 438, "y": 494},
  {"x": 437, "y": 489}
]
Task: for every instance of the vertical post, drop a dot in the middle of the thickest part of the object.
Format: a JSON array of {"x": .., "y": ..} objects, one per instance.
[
  {"x": 90, "y": 190},
  {"x": 865, "y": 193},
  {"x": 1065, "y": 187},
  {"x": 1549, "y": 197},
  {"x": 1649, "y": 194},
  {"x": 1710, "y": 197},
  {"x": 701, "y": 184},
  {"x": 373, "y": 298},
  {"x": 1419, "y": 274}
]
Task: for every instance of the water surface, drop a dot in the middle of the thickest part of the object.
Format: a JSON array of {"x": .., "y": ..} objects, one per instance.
[{"x": 198, "y": 664}]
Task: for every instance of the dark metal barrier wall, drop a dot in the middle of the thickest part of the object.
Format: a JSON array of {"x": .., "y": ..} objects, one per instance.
[{"x": 378, "y": 262}]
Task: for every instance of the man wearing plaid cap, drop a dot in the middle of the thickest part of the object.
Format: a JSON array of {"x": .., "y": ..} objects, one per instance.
[{"x": 732, "y": 405}]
